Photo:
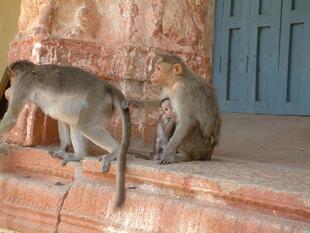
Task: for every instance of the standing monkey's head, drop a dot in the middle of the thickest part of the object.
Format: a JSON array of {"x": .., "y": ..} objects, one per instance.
[
  {"x": 20, "y": 66},
  {"x": 167, "y": 70}
]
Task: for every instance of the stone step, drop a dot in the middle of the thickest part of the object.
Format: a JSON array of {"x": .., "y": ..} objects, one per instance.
[
  {"x": 41, "y": 195},
  {"x": 30, "y": 205}
]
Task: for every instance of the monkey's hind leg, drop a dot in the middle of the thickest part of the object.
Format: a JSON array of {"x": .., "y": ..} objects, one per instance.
[
  {"x": 101, "y": 137},
  {"x": 78, "y": 143},
  {"x": 79, "y": 146},
  {"x": 107, "y": 159},
  {"x": 65, "y": 141}
]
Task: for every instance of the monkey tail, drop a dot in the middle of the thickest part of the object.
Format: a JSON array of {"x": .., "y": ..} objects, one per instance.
[{"x": 122, "y": 107}]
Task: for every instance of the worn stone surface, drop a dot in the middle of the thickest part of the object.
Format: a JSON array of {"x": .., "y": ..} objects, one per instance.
[
  {"x": 221, "y": 195},
  {"x": 36, "y": 163},
  {"x": 32, "y": 128},
  {"x": 88, "y": 209},
  {"x": 116, "y": 40},
  {"x": 30, "y": 205},
  {"x": 171, "y": 25},
  {"x": 269, "y": 139},
  {"x": 112, "y": 64}
]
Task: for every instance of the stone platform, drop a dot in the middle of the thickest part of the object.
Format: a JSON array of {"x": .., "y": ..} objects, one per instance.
[{"x": 38, "y": 194}]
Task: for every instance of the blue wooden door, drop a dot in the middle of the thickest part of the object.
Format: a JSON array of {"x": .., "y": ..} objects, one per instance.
[
  {"x": 231, "y": 59},
  {"x": 263, "y": 50},
  {"x": 294, "y": 63},
  {"x": 261, "y": 62}
]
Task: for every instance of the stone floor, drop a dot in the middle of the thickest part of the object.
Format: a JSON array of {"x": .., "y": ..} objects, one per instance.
[
  {"x": 268, "y": 139},
  {"x": 258, "y": 181}
]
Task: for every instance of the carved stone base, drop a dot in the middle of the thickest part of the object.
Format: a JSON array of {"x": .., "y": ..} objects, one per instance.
[{"x": 38, "y": 194}]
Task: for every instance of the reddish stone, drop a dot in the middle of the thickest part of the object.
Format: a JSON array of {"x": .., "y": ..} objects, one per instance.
[
  {"x": 203, "y": 196},
  {"x": 88, "y": 208},
  {"x": 36, "y": 163},
  {"x": 117, "y": 41},
  {"x": 148, "y": 134},
  {"x": 32, "y": 128},
  {"x": 30, "y": 205},
  {"x": 83, "y": 33},
  {"x": 114, "y": 64}
]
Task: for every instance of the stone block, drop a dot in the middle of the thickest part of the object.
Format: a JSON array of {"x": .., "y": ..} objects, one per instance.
[
  {"x": 203, "y": 197},
  {"x": 148, "y": 133},
  {"x": 34, "y": 162},
  {"x": 117, "y": 41},
  {"x": 29, "y": 205}
]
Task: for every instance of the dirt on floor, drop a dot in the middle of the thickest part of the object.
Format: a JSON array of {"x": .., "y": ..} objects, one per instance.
[{"x": 284, "y": 140}]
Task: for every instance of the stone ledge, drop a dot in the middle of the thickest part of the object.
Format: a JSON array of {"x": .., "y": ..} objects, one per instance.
[
  {"x": 30, "y": 205},
  {"x": 87, "y": 210},
  {"x": 36, "y": 163},
  {"x": 211, "y": 196}
]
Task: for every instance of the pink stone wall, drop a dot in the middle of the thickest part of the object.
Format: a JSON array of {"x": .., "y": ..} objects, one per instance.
[{"x": 116, "y": 40}]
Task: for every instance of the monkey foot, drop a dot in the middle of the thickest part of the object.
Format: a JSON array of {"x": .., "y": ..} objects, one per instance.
[
  {"x": 70, "y": 157},
  {"x": 177, "y": 158},
  {"x": 166, "y": 161},
  {"x": 107, "y": 159},
  {"x": 57, "y": 153},
  {"x": 66, "y": 157},
  {"x": 168, "y": 158}
]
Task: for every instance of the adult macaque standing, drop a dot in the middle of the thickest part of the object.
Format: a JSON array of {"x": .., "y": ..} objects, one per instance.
[
  {"x": 80, "y": 102},
  {"x": 195, "y": 105},
  {"x": 164, "y": 129}
]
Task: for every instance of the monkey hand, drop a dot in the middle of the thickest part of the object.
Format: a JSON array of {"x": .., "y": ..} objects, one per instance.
[{"x": 168, "y": 157}]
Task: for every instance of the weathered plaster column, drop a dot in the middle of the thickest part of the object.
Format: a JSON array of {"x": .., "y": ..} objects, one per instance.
[{"x": 116, "y": 40}]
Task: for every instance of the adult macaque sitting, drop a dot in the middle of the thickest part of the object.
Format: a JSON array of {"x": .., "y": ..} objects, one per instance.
[{"x": 196, "y": 110}]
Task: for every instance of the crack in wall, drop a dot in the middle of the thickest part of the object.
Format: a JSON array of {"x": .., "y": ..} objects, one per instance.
[
  {"x": 78, "y": 175},
  {"x": 62, "y": 201}
]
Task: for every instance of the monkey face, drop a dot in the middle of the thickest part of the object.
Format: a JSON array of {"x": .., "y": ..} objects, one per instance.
[
  {"x": 166, "y": 74},
  {"x": 162, "y": 73},
  {"x": 166, "y": 108}
]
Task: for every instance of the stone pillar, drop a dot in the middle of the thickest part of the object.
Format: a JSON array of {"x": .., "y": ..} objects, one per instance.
[{"x": 117, "y": 40}]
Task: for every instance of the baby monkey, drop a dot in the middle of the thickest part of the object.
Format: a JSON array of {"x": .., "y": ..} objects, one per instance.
[{"x": 165, "y": 128}]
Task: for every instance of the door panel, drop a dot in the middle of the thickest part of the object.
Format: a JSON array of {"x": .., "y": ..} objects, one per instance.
[
  {"x": 233, "y": 54},
  {"x": 294, "y": 79},
  {"x": 264, "y": 34},
  {"x": 262, "y": 54}
]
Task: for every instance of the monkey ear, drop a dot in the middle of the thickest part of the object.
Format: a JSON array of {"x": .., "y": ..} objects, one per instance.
[{"x": 177, "y": 69}]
